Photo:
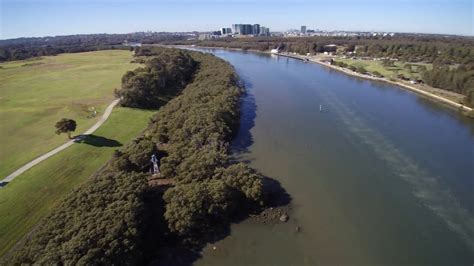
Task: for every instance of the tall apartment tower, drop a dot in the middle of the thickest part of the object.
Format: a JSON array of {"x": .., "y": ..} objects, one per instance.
[
  {"x": 256, "y": 29},
  {"x": 303, "y": 29}
]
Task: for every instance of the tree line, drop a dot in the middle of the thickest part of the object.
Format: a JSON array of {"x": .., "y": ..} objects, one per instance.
[
  {"x": 452, "y": 56},
  {"x": 405, "y": 47},
  {"x": 24, "y": 48},
  {"x": 107, "y": 219}
]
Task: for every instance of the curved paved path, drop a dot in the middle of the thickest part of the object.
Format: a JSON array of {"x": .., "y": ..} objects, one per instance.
[{"x": 45, "y": 156}]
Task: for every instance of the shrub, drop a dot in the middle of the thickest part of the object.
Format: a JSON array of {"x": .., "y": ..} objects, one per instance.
[
  {"x": 377, "y": 74},
  {"x": 361, "y": 69},
  {"x": 163, "y": 75},
  {"x": 193, "y": 209}
]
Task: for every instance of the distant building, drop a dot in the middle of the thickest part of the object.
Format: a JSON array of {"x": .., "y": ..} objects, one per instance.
[
  {"x": 256, "y": 29},
  {"x": 204, "y": 36},
  {"x": 246, "y": 29},
  {"x": 303, "y": 29},
  {"x": 223, "y": 31},
  {"x": 264, "y": 31},
  {"x": 242, "y": 29},
  {"x": 234, "y": 28}
]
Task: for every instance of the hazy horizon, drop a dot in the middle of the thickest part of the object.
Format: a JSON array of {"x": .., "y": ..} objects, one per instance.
[{"x": 40, "y": 18}]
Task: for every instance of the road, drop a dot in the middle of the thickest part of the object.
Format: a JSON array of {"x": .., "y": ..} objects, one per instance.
[{"x": 45, "y": 156}]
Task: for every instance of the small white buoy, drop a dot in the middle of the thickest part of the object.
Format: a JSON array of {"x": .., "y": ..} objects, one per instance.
[{"x": 320, "y": 107}]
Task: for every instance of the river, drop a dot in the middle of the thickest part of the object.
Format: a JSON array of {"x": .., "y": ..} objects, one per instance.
[{"x": 379, "y": 176}]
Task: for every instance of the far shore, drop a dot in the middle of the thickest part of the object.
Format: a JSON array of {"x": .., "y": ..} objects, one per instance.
[
  {"x": 316, "y": 59},
  {"x": 405, "y": 85}
]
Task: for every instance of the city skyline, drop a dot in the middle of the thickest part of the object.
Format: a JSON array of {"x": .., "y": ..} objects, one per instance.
[{"x": 30, "y": 18}]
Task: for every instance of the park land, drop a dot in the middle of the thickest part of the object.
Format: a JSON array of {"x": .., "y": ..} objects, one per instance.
[{"x": 35, "y": 94}]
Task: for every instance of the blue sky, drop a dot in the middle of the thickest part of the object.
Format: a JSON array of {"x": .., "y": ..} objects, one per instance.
[{"x": 31, "y": 18}]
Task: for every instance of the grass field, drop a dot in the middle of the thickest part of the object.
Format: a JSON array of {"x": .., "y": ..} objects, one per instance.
[
  {"x": 35, "y": 93},
  {"x": 389, "y": 72},
  {"x": 31, "y": 196}
]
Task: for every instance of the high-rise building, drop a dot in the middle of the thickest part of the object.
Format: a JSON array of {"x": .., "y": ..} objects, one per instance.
[
  {"x": 224, "y": 31},
  {"x": 256, "y": 29},
  {"x": 248, "y": 29},
  {"x": 243, "y": 29},
  {"x": 234, "y": 28},
  {"x": 264, "y": 31},
  {"x": 303, "y": 29}
]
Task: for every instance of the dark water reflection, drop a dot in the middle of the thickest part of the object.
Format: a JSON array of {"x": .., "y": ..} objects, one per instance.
[{"x": 380, "y": 177}]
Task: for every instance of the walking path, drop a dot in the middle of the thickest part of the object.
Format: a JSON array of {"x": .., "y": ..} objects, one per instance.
[{"x": 45, "y": 156}]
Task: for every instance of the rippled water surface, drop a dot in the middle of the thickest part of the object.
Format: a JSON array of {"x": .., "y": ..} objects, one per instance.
[{"x": 379, "y": 176}]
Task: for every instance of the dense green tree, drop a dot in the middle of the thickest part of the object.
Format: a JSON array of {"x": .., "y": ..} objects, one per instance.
[
  {"x": 164, "y": 75},
  {"x": 193, "y": 209},
  {"x": 65, "y": 125},
  {"x": 242, "y": 178}
]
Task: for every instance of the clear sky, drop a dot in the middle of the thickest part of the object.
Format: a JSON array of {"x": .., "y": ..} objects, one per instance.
[{"x": 32, "y": 18}]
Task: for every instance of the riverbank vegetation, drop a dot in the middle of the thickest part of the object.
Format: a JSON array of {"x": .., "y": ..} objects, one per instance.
[
  {"x": 441, "y": 62},
  {"x": 24, "y": 48},
  {"x": 163, "y": 75},
  {"x": 404, "y": 47},
  {"x": 108, "y": 219}
]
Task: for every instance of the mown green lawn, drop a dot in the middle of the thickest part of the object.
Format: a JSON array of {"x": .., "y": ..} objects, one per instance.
[
  {"x": 32, "y": 195},
  {"x": 389, "y": 72},
  {"x": 35, "y": 93}
]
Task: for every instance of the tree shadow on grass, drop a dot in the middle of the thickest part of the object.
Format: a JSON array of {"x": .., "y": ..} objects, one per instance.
[{"x": 97, "y": 141}]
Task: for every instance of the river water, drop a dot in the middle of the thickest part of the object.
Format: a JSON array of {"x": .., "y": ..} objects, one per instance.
[{"x": 379, "y": 176}]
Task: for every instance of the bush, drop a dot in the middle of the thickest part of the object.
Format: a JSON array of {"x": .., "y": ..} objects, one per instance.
[
  {"x": 361, "y": 70},
  {"x": 164, "y": 74},
  {"x": 377, "y": 74},
  {"x": 242, "y": 178},
  {"x": 193, "y": 209}
]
